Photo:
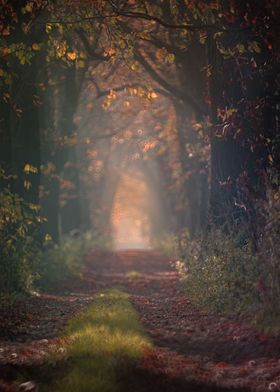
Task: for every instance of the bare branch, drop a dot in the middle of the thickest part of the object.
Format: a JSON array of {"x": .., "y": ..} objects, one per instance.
[
  {"x": 101, "y": 94},
  {"x": 90, "y": 50},
  {"x": 141, "y": 15},
  {"x": 169, "y": 87}
]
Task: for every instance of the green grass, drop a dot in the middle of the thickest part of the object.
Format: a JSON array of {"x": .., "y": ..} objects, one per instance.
[
  {"x": 104, "y": 337},
  {"x": 133, "y": 275}
]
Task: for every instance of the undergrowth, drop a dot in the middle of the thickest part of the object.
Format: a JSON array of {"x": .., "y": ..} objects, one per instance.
[
  {"x": 103, "y": 338},
  {"x": 19, "y": 246},
  {"x": 224, "y": 273},
  {"x": 28, "y": 262},
  {"x": 220, "y": 274},
  {"x": 60, "y": 262},
  {"x": 168, "y": 244}
]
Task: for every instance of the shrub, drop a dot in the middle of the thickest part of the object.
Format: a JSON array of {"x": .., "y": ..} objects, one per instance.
[
  {"x": 269, "y": 258},
  {"x": 60, "y": 262},
  {"x": 19, "y": 245},
  {"x": 220, "y": 274},
  {"x": 217, "y": 272},
  {"x": 168, "y": 244}
]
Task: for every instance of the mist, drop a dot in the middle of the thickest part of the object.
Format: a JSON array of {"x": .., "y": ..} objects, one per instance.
[{"x": 139, "y": 195}]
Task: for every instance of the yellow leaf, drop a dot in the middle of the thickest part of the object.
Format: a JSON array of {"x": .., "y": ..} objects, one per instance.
[
  {"x": 35, "y": 47},
  {"x": 106, "y": 104},
  {"x": 28, "y": 7},
  {"x": 152, "y": 95},
  {"x": 48, "y": 28},
  {"x": 241, "y": 48},
  {"x": 170, "y": 58},
  {"x": 30, "y": 169},
  {"x": 71, "y": 55},
  {"x": 133, "y": 67},
  {"x": 60, "y": 51},
  {"x": 34, "y": 207},
  {"x": 27, "y": 184}
]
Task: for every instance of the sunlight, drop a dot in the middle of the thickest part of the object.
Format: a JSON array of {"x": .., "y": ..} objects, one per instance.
[
  {"x": 101, "y": 336},
  {"x": 130, "y": 218},
  {"x": 139, "y": 149}
]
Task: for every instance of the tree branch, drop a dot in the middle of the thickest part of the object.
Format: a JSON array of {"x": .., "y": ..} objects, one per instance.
[
  {"x": 89, "y": 49},
  {"x": 183, "y": 26},
  {"x": 103, "y": 93},
  {"x": 172, "y": 90},
  {"x": 141, "y": 15}
]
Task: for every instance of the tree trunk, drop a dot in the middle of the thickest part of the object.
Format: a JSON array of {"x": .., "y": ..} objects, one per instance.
[{"x": 70, "y": 211}]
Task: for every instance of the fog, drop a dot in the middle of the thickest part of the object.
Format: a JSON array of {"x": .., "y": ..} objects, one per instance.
[
  {"x": 131, "y": 226},
  {"x": 123, "y": 180},
  {"x": 152, "y": 126}
]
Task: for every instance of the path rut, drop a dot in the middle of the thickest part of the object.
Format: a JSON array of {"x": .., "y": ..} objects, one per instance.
[{"x": 192, "y": 350}]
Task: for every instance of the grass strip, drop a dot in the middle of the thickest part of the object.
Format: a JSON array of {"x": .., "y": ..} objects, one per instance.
[{"x": 103, "y": 338}]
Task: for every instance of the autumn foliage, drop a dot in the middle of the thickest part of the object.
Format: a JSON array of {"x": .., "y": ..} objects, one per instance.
[{"x": 184, "y": 92}]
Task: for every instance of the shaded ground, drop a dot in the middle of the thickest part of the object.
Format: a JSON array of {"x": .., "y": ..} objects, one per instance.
[{"x": 193, "y": 350}]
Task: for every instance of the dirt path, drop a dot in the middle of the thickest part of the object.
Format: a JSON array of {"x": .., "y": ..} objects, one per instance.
[
  {"x": 190, "y": 345},
  {"x": 193, "y": 350}
]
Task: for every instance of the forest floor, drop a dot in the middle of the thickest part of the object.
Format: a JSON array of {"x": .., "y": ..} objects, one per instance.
[{"x": 192, "y": 350}]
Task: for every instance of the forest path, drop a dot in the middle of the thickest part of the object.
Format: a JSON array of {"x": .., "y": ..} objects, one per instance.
[
  {"x": 190, "y": 345},
  {"x": 192, "y": 350}
]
